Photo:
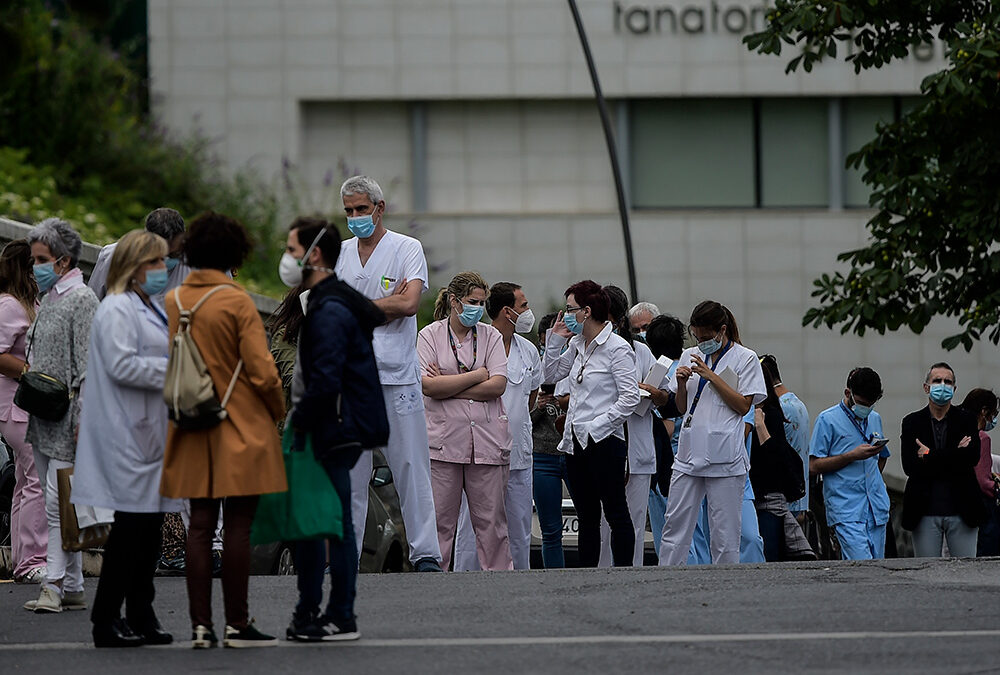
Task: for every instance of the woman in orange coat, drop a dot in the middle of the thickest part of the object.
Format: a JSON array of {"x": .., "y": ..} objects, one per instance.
[{"x": 238, "y": 459}]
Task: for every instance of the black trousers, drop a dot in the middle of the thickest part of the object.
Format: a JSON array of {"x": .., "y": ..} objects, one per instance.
[
  {"x": 597, "y": 479},
  {"x": 130, "y": 558}
]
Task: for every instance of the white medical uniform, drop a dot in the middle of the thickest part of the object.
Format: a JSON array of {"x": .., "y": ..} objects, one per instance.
[
  {"x": 524, "y": 375},
  {"x": 641, "y": 467},
  {"x": 711, "y": 461},
  {"x": 396, "y": 257}
]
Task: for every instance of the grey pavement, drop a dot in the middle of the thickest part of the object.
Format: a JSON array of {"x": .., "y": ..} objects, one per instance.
[{"x": 912, "y": 616}]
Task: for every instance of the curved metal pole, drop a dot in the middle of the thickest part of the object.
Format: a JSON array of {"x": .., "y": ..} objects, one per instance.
[{"x": 602, "y": 107}]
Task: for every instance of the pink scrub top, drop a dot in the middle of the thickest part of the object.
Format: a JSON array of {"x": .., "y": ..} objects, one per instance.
[
  {"x": 462, "y": 431},
  {"x": 13, "y": 338}
]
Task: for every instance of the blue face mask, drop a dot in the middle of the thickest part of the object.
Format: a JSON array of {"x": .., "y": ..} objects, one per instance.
[
  {"x": 709, "y": 347},
  {"x": 574, "y": 326},
  {"x": 641, "y": 335},
  {"x": 361, "y": 227},
  {"x": 991, "y": 424},
  {"x": 171, "y": 263},
  {"x": 471, "y": 314},
  {"x": 155, "y": 283},
  {"x": 942, "y": 393},
  {"x": 45, "y": 276},
  {"x": 860, "y": 411}
]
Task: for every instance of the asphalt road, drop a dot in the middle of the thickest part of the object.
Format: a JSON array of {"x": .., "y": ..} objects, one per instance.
[{"x": 905, "y": 616}]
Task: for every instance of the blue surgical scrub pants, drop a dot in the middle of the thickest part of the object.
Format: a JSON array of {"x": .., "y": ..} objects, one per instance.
[{"x": 861, "y": 540}]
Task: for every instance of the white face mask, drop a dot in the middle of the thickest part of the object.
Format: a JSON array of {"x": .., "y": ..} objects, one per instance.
[
  {"x": 525, "y": 322},
  {"x": 290, "y": 270}
]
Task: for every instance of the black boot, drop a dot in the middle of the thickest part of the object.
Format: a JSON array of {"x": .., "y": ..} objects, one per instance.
[{"x": 116, "y": 634}]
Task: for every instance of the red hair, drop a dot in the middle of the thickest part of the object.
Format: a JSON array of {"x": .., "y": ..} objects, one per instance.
[{"x": 590, "y": 294}]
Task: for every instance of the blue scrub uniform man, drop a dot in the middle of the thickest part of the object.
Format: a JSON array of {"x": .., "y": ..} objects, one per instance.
[{"x": 846, "y": 451}]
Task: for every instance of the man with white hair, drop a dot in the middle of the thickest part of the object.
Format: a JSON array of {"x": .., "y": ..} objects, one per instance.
[
  {"x": 390, "y": 269},
  {"x": 640, "y": 316},
  {"x": 165, "y": 222}
]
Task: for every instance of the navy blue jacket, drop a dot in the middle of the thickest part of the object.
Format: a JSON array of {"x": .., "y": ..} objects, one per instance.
[{"x": 338, "y": 368}]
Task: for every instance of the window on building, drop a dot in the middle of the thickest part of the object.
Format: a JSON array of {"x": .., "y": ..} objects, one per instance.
[
  {"x": 692, "y": 153},
  {"x": 794, "y": 152},
  {"x": 860, "y": 115}
]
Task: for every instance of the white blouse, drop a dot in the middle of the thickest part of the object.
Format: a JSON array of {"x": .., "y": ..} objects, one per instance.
[{"x": 603, "y": 384}]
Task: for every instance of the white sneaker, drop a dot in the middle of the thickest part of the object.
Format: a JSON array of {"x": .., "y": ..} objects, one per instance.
[
  {"x": 48, "y": 602},
  {"x": 35, "y": 576},
  {"x": 74, "y": 600}
]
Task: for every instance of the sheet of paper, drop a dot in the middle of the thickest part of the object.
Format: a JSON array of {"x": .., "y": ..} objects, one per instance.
[
  {"x": 729, "y": 376},
  {"x": 654, "y": 378}
]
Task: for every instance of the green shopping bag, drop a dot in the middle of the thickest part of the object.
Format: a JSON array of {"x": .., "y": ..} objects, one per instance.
[{"x": 310, "y": 509}]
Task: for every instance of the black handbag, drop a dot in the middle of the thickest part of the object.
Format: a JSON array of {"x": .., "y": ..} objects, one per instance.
[{"x": 41, "y": 395}]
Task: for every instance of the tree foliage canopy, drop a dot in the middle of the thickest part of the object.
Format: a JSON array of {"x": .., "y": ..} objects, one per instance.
[{"x": 934, "y": 174}]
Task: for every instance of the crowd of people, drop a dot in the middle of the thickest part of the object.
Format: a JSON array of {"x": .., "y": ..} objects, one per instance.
[{"x": 483, "y": 426}]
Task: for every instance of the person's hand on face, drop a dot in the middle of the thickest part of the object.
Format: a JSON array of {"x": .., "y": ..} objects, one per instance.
[{"x": 560, "y": 329}]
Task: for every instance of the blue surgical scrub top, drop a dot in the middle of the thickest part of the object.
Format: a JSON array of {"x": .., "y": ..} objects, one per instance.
[
  {"x": 858, "y": 488},
  {"x": 797, "y": 433}
]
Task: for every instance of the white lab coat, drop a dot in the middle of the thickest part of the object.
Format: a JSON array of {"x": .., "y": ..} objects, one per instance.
[{"x": 123, "y": 424}]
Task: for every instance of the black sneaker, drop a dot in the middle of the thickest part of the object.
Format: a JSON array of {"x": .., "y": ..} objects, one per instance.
[
  {"x": 242, "y": 638},
  {"x": 427, "y": 565},
  {"x": 332, "y": 632},
  {"x": 304, "y": 628}
]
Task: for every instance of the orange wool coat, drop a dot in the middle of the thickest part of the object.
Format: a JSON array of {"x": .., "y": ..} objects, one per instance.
[{"x": 242, "y": 455}]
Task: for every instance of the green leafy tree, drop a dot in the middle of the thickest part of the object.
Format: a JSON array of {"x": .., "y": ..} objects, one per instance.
[{"x": 934, "y": 174}]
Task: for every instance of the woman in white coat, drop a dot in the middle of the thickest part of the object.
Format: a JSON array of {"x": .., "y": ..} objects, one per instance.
[{"x": 123, "y": 430}]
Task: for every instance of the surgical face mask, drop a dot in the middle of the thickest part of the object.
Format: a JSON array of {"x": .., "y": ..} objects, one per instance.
[
  {"x": 45, "y": 276},
  {"x": 172, "y": 263},
  {"x": 155, "y": 283},
  {"x": 574, "y": 326},
  {"x": 471, "y": 314},
  {"x": 525, "y": 322},
  {"x": 290, "y": 268},
  {"x": 941, "y": 393},
  {"x": 860, "y": 411},
  {"x": 709, "y": 347},
  {"x": 362, "y": 227},
  {"x": 641, "y": 335},
  {"x": 991, "y": 424}
]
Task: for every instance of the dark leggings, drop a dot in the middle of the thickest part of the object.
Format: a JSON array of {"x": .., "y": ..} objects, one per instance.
[
  {"x": 129, "y": 563},
  {"x": 237, "y": 516},
  {"x": 597, "y": 478}
]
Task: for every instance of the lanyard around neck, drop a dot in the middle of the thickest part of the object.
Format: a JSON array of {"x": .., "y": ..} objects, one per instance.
[
  {"x": 462, "y": 368},
  {"x": 704, "y": 381},
  {"x": 857, "y": 425}
]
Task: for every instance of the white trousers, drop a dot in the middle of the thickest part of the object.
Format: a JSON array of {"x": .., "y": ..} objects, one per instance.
[
  {"x": 725, "y": 511},
  {"x": 65, "y": 569},
  {"x": 637, "y": 496},
  {"x": 518, "y": 505},
  {"x": 409, "y": 460}
]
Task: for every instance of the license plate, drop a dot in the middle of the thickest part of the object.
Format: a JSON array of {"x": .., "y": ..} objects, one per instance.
[{"x": 571, "y": 525}]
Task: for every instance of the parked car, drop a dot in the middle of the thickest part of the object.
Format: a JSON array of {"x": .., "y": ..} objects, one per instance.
[
  {"x": 6, "y": 497},
  {"x": 384, "y": 548}
]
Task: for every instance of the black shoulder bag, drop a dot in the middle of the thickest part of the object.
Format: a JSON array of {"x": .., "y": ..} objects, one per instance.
[{"x": 41, "y": 395}]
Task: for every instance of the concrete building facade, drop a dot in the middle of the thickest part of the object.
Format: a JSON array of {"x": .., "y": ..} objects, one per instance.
[{"x": 478, "y": 119}]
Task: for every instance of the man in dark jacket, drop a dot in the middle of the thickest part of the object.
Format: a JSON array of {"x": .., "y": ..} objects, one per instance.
[
  {"x": 338, "y": 401},
  {"x": 940, "y": 449}
]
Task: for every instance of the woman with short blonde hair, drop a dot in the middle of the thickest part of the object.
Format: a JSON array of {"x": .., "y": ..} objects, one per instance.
[{"x": 123, "y": 431}]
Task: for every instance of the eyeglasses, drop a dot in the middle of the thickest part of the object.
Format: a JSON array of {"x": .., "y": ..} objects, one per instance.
[{"x": 570, "y": 310}]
